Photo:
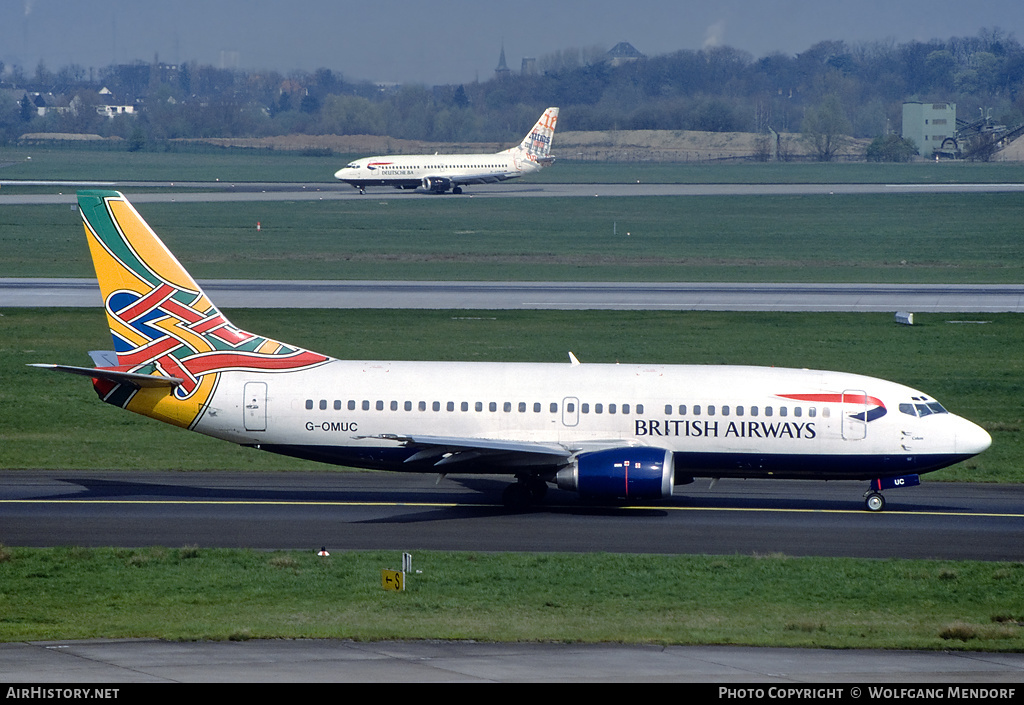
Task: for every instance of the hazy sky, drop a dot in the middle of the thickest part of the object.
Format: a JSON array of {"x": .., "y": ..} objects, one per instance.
[{"x": 454, "y": 42}]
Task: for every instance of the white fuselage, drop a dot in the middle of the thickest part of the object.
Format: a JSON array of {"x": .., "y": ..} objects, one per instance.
[
  {"x": 717, "y": 421},
  {"x": 411, "y": 171}
]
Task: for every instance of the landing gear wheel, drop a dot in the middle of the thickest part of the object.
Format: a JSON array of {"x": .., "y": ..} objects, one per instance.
[
  {"x": 457, "y": 190},
  {"x": 517, "y": 497},
  {"x": 874, "y": 502}
]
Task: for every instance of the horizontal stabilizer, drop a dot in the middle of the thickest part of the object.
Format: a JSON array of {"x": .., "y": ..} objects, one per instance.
[{"x": 116, "y": 376}]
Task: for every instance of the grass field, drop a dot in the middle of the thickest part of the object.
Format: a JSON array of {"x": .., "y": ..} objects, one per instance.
[
  {"x": 189, "y": 593},
  {"x": 939, "y": 238}
]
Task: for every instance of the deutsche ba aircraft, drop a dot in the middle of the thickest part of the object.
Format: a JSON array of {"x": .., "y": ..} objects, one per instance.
[
  {"x": 610, "y": 432},
  {"x": 439, "y": 173}
]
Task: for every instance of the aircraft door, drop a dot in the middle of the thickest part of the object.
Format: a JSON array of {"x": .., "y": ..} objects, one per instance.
[
  {"x": 255, "y": 403},
  {"x": 570, "y": 411},
  {"x": 855, "y": 415}
]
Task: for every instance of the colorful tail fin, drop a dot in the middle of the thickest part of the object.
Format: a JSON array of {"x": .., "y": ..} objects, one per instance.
[
  {"x": 161, "y": 321},
  {"x": 537, "y": 144}
]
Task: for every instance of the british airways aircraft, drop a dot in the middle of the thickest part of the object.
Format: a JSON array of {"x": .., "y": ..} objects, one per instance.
[
  {"x": 439, "y": 173},
  {"x": 610, "y": 432}
]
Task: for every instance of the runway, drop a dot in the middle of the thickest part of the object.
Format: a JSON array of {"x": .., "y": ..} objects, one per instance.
[
  {"x": 659, "y": 296},
  {"x": 130, "y": 663},
  {"x": 397, "y": 511}
]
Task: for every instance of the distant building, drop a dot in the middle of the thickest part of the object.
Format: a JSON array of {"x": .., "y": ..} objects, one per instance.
[
  {"x": 623, "y": 53},
  {"x": 928, "y": 125},
  {"x": 503, "y": 71},
  {"x": 529, "y": 66}
]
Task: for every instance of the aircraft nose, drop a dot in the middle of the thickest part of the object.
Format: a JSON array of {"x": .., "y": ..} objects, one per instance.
[
  {"x": 339, "y": 173},
  {"x": 971, "y": 438}
]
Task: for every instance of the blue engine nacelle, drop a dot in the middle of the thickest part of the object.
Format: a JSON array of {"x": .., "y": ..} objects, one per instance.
[
  {"x": 631, "y": 473},
  {"x": 436, "y": 184}
]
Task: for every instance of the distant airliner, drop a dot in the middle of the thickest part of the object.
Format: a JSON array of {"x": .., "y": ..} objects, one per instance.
[
  {"x": 439, "y": 173},
  {"x": 607, "y": 431}
]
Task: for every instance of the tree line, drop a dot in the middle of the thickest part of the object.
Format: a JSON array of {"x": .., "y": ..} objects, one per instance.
[{"x": 858, "y": 89}]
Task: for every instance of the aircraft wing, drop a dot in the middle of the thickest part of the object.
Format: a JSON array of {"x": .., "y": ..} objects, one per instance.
[
  {"x": 502, "y": 454},
  {"x": 481, "y": 178}
]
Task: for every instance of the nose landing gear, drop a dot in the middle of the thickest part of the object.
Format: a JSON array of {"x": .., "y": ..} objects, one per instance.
[{"x": 873, "y": 499}]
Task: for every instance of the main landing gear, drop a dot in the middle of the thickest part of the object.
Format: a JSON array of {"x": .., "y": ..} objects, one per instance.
[{"x": 524, "y": 493}]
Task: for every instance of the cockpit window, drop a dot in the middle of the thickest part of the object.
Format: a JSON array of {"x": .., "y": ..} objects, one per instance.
[
  {"x": 353, "y": 165},
  {"x": 921, "y": 407}
]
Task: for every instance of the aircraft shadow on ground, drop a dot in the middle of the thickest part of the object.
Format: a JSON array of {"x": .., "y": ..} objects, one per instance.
[{"x": 483, "y": 499}]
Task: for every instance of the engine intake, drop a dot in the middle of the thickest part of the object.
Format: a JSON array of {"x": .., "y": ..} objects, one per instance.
[
  {"x": 633, "y": 473},
  {"x": 436, "y": 184}
]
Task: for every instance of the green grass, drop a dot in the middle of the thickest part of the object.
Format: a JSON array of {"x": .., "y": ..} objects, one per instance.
[
  {"x": 50, "y": 420},
  {"x": 934, "y": 238},
  {"x": 189, "y": 593}
]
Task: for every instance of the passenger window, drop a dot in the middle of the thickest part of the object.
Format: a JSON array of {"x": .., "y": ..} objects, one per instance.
[
  {"x": 380, "y": 405},
  {"x": 436, "y": 406},
  {"x": 753, "y": 411},
  {"x": 598, "y": 408},
  {"x": 366, "y": 405},
  {"x": 408, "y": 406},
  {"x": 739, "y": 411},
  {"x": 493, "y": 406},
  {"x": 536, "y": 407},
  {"x": 585, "y": 408},
  {"x": 554, "y": 407},
  {"x": 639, "y": 409},
  {"x": 682, "y": 409},
  {"x": 611, "y": 408},
  {"x": 351, "y": 404},
  {"x": 522, "y": 407},
  {"x": 394, "y": 406},
  {"x": 309, "y": 404},
  {"x": 696, "y": 409},
  {"x": 323, "y": 405},
  {"x": 725, "y": 411}
]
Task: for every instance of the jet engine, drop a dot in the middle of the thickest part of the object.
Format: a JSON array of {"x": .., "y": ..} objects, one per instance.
[
  {"x": 631, "y": 473},
  {"x": 436, "y": 184}
]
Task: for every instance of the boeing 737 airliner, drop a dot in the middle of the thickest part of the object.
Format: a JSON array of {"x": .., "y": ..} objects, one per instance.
[
  {"x": 607, "y": 431},
  {"x": 439, "y": 173}
]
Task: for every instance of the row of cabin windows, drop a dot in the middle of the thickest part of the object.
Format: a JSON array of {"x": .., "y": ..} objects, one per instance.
[
  {"x": 522, "y": 407},
  {"x": 726, "y": 410},
  {"x": 449, "y": 166},
  {"x": 570, "y": 407},
  {"x": 506, "y": 407}
]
